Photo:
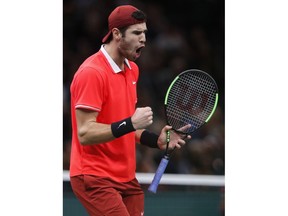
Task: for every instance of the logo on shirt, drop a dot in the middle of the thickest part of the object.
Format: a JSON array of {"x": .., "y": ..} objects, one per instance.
[
  {"x": 123, "y": 123},
  {"x": 133, "y": 82}
]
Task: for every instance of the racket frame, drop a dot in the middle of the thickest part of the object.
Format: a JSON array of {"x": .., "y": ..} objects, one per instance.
[
  {"x": 165, "y": 159},
  {"x": 169, "y": 89}
]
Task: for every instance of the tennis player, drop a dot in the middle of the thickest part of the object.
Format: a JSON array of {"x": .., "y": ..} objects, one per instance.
[{"x": 106, "y": 123}]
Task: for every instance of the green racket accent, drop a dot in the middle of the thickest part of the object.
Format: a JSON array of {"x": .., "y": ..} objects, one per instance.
[
  {"x": 168, "y": 136},
  {"x": 166, "y": 97},
  {"x": 191, "y": 99},
  {"x": 214, "y": 108}
]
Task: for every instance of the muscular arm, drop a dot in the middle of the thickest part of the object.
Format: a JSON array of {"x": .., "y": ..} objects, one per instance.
[
  {"x": 89, "y": 130},
  {"x": 92, "y": 132}
]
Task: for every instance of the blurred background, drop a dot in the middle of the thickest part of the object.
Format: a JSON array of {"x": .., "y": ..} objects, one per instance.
[{"x": 181, "y": 35}]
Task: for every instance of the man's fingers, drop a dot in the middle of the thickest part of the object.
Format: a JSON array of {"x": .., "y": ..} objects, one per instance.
[{"x": 184, "y": 128}]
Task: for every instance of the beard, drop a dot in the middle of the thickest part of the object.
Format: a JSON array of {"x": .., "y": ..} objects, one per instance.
[{"x": 127, "y": 51}]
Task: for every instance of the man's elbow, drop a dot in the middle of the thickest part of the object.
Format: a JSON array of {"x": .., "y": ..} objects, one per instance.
[
  {"x": 83, "y": 138},
  {"x": 83, "y": 141}
]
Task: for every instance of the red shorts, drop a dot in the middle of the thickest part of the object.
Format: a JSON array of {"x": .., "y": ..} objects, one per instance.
[{"x": 103, "y": 196}]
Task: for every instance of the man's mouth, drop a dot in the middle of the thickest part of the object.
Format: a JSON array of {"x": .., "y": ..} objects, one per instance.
[{"x": 138, "y": 51}]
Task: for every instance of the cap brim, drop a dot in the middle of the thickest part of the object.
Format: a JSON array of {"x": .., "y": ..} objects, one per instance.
[{"x": 106, "y": 37}]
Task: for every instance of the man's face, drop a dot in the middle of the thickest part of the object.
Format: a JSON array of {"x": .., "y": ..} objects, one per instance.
[{"x": 133, "y": 41}]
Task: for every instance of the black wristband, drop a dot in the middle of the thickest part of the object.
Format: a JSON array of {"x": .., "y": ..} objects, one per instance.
[
  {"x": 149, "y": 139},
  {"x": 122, "y": 127}
]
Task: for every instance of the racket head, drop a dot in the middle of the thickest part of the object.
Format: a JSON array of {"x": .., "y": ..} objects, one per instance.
[{"x": 191, "y": 98}]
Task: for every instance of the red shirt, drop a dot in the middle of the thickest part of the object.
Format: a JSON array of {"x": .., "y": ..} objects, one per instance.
[{"x": 100, "y": 85}]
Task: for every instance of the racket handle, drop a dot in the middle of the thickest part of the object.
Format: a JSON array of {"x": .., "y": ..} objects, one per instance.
[{"x": 158, "y": 175}]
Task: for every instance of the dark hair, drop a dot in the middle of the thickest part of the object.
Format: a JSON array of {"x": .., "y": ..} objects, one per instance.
[{"x": 139, "y": 15}]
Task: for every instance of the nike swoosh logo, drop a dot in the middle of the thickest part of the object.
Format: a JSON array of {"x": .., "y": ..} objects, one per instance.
[
  {"x": 133, "y": 82},
  {"x": 123, "y": 123}
]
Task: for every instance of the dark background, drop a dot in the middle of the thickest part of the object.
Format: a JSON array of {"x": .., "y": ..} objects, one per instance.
[{"x": 181, "y": 35}]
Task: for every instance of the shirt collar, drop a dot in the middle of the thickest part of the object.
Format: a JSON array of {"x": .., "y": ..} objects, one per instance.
[{"x": 112, "y": 63}]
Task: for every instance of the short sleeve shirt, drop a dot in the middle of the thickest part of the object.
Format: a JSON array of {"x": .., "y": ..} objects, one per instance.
[{"x": 99, "y": 85}]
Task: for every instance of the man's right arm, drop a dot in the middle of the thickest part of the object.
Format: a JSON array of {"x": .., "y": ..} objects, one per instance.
[{"x": 92, "y": 132}]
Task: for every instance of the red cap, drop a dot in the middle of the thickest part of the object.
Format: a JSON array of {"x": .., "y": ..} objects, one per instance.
[{"x": 120, "y": 17}]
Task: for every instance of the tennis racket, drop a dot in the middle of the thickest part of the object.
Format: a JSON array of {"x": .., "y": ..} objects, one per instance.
[{"x": 191, "y": 99}]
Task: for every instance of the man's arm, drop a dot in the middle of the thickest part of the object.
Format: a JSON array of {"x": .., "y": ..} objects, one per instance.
[
  {"x": 89, "y": 130},
  {"x": 92, "y": 132}
]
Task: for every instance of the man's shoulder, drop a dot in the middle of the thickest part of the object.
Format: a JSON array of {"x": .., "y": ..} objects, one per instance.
[
  {"x": 96, "y": 60},
  {"x": 94, "y": 64}
]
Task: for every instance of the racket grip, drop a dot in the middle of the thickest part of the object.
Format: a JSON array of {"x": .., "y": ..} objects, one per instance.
[{"x": 158, "y": 175}]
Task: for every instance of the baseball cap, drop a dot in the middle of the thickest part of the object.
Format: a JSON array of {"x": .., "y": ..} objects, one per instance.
[{"x": 120, "y": 17}]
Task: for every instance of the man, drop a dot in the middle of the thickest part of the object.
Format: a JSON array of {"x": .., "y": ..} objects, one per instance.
[{"x": 105, "y": 123}]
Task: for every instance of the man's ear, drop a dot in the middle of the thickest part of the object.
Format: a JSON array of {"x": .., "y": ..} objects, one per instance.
[{"x": 116, "y": 34}]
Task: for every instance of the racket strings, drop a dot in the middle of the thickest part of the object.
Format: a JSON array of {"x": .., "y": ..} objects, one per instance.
[{"x": 190, "y": 101}]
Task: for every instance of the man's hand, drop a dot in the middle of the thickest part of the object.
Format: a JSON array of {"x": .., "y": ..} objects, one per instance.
[
  {"x": 142, "y": 118},
  {"x": 176, "y": 139}
]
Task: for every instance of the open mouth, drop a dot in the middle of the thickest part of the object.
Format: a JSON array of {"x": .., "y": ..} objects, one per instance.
[{"x": 138, "y": 51}]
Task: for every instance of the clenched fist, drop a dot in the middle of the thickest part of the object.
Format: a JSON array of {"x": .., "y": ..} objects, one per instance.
[{"x": 142, "y": 118}]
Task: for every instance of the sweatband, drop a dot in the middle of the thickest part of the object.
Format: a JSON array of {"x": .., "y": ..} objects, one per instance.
[
  {"x": 122, "y": 127},
  {"x": 149, "y": 139}
]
